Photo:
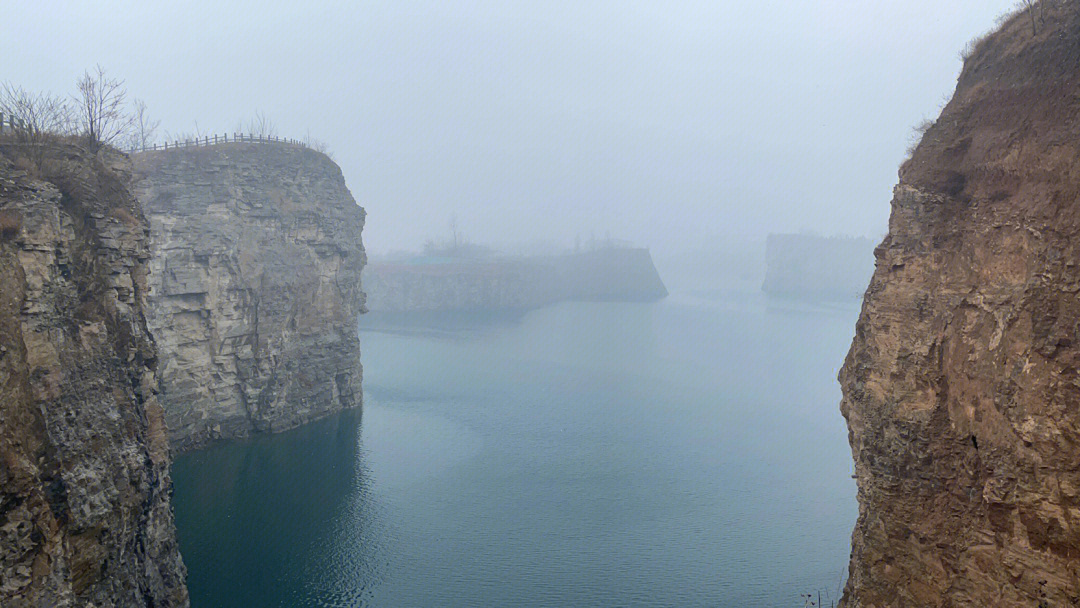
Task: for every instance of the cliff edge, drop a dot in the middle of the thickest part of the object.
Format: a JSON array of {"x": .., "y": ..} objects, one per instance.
[
  {"x": 961, "y": 389},
  {"x": 84, "y": 460},
  {"x": 254, "y": 287}
]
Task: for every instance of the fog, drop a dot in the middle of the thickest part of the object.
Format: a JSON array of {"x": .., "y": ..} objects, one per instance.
[{"x": 675, "y": 125}]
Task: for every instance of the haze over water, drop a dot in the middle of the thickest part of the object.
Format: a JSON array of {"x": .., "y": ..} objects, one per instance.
[{"x": 687, "y": 452}]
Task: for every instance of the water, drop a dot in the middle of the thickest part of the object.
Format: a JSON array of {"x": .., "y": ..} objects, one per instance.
[{"x": 688, "y": 452}]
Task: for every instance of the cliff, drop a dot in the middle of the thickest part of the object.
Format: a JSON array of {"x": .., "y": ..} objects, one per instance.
[
  {"x": 513, "y": 283},
  {"x": 84, "y": 461},
  {"x": 254, "y": 287},
  {"x": 801, "y": 265},
  {"x": 961, "y": 389}
]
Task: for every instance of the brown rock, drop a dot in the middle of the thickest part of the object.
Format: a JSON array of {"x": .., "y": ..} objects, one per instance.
[
  {"x": 961, "y": 389},
  {"x": 84, "y": 510}
]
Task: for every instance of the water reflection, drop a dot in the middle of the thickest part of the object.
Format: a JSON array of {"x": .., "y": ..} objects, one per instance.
[
  {"x": 686, "y": 452},
  {"x": 255, "y": 518}
]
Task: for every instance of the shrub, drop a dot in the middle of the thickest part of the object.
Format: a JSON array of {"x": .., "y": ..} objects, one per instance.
[
  {"x": 125, "y": 217},
  {"x": 918, "y": 132}
]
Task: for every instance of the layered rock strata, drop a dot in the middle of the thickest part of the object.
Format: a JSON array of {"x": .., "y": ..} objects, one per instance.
[
  {"x": 254, "y": 287},
  {"x": 962, "y": 386},
  {"x": 85, "y": 518}
]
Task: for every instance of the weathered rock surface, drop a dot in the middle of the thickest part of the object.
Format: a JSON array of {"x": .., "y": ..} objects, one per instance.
[
  {"x": 85, "y": 518},
  {"x": 961, "y": 390},
  {"x": 254, "y": 287},
  {"x": 513, "y": 283}
]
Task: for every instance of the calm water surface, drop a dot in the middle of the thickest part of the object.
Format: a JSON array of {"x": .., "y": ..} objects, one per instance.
[{"x": 688, "y": 452}]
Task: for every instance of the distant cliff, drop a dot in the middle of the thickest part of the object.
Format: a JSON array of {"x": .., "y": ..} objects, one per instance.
[
  {"x": 254, "y": 287},
  {"x": 800, "y": 265},
  {"x": 962, "y": 386},
  {"x": 84, "y": 459},
  {"x": 512, "y": 284}
]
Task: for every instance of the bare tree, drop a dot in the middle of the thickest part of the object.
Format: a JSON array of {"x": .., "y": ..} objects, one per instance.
[
  {"x": 1029, "y": 6},
  {"x": 318, "y": 145},
  {"x": 261, "y": 126},
  {"x": 100, "y": 108},
  {"x": 195, "y": 134},
  {"x": 143, "y": 131},
  {"x": 42, "y": 114}
]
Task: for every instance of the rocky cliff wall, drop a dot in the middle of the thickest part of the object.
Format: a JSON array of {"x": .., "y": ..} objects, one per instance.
[
  {"x": 961, "y": 389},
  {"x": 513, "y": 284},
  {"x": 254, "y": 287},
  {"x": 84, "y": 459}
]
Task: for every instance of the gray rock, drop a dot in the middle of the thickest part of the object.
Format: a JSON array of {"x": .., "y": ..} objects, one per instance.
[{"x": 254, "y": 287}]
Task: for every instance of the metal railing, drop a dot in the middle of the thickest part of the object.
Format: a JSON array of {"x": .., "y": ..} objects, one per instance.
[
  {"x": 210, "y": 140},
  {"x": 11, "y": 122}
]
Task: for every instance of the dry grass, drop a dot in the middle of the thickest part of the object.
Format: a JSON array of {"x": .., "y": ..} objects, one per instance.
[
  {"x": 32, "y": 168},
  {"x": 126, "y": 217}
]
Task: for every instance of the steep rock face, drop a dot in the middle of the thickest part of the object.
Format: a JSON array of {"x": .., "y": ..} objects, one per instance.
[
  {"x": 84, "y": 459},
  {"x": 254, "y": 287},
  {"x": 961, "y": 389}
]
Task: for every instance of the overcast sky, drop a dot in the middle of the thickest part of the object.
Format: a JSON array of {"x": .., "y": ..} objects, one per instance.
[{"x": 673, "y": 124}]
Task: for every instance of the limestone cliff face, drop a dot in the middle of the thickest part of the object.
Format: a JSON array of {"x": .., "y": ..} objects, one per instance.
[
  {"x": 254, "y": 287},
  {"x": 961, "y": 390},
  {"x": 84, "y": 460}
]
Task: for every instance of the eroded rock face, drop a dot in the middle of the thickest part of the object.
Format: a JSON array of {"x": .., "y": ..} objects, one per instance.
[
  {"x": 85, "y": 518},
  {"x": 254, "y": 287},
  {"x": 961, "y": 390}
]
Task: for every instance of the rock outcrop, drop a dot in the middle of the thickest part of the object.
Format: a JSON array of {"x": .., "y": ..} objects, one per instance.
[
  {"x": 512, "y": 284},
  {"x": 962, "y": 387},
  {"x": 254, "y": 287},
  {"x": 85, "y": 518}
]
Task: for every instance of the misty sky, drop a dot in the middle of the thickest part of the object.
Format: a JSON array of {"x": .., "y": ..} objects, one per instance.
[{"x": 673, "y": 124}]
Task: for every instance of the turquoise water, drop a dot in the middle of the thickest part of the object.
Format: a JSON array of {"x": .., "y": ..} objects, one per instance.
[{"x": 686, "y": 452}]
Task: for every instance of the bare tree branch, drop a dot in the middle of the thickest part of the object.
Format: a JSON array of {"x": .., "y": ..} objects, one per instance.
[
  {"x": 42, "y": 114},
  {"x": 317, "y": 145},
  {"x": 100, "y": 102},
  {"x": 143, "y": 132},
  {"x": 261, "y": 126},
  {"x": 1029, "y": 5}
]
